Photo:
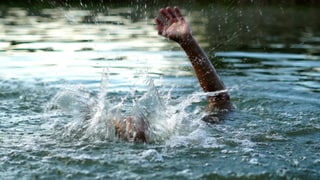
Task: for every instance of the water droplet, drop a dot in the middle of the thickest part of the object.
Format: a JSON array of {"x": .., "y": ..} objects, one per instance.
[{"x": 248, "y": 28}]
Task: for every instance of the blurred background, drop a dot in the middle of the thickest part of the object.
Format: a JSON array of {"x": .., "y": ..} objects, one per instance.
[{"x": 227, "y": 24}]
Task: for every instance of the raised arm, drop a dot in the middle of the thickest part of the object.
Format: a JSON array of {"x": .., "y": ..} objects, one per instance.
[{"x": 172, "y": 25}]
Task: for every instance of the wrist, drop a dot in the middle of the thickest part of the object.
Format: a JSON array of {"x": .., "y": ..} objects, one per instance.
[{"x": 186, "y": 41}]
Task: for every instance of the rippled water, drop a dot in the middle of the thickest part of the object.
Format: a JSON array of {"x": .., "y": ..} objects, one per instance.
[{"x": 58, "y": 65}]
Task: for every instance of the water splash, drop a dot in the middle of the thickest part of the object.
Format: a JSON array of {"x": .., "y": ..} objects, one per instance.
[
  {"x": 93, "y": 116},
  {"x": 89, "y": 112}
]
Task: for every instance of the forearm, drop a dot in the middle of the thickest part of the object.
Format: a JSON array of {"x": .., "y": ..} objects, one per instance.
[{"x": 205, "y": 71}]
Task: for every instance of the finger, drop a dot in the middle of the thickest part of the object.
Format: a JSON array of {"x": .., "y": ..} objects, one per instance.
[
  {"x": 170, "y": 11},
  {"x": 159, "y": 22},
  {"x": 178, "y": 12},
  {"x": 160, "y": 26},
  {"x": 164, "y": 13}
]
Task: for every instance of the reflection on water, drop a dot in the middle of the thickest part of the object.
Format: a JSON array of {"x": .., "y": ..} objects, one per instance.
[{"x": 53, "y": 70}]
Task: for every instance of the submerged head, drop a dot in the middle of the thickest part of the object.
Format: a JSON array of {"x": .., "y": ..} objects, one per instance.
[{"x": 131, "y": 129}]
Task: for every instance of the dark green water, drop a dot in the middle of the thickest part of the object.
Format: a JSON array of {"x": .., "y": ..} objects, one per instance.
[{"x": 59, "y": 63}]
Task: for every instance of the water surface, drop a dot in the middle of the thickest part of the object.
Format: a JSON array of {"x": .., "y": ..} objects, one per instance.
[{"x": 59, "y": 64}]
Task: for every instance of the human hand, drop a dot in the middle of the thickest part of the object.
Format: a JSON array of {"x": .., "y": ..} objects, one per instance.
[{"x": 172, "y": 25}]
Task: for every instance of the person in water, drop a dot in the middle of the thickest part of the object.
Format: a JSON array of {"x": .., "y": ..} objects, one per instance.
[{"x": 172, "y": 25}]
